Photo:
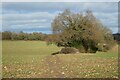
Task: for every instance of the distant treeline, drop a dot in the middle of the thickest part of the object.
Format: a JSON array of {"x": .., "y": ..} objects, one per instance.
[
  {"x": 117, "y": 37},
  {"x": 7, "y": 35}
]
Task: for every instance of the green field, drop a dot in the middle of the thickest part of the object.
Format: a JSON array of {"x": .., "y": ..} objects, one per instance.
[{"x": 33, "y": 59}]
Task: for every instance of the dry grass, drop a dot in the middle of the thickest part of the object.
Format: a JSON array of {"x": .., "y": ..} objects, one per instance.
[{"x": 33, "y": 59}]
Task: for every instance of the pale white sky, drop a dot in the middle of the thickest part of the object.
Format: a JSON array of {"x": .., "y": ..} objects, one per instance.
[
  {"x": 59, "y": 0},
  {"x": 29, "y": 16}
]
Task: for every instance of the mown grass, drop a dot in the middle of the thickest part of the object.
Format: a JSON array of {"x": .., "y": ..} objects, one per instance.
[{"x": 33, "y": 59}]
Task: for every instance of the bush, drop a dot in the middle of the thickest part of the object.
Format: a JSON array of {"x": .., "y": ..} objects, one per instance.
[
  {"x": 55, "y": 53},
  {"x": 104, "y": 47},
  {"x": 92, "y": 49},
  {"x": 68, "y": 50},
  {"x": 81, "y": 49}
]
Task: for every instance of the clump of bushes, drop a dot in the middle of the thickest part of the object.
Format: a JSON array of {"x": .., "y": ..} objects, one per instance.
[
  {"x": 104, "y": 47},
  {"x": 81, "y": 49},
  {"x": 68, "y": 50}
]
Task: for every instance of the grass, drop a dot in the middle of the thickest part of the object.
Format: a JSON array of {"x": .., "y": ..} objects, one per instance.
[{"x": 33, "y": 59}]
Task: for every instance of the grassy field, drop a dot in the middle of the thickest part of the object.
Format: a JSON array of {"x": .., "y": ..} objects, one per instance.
[{"x": 33, "y": 59}]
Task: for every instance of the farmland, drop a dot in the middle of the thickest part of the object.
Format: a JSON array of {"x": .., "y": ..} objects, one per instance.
[{"x": 33, "y": 59}]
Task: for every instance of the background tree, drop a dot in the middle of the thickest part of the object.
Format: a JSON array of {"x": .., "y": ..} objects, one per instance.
[
  {"x": 6, "y": 35},
  {"x": 117, "y": 37}
]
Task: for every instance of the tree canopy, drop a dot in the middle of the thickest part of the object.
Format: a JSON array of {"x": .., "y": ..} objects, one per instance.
[{"x": 80, "y": 31}]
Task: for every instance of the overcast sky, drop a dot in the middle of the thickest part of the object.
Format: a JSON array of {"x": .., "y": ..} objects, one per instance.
[{"x": 37, "y": 16}]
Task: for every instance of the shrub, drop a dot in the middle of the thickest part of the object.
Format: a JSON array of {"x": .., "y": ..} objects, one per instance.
[
  {"x": 104, "y": 47},
  {"x": 68, "y": 50}
]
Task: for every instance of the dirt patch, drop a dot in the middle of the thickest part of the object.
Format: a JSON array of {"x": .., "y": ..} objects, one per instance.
[{"x": 54, "y": 65}]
